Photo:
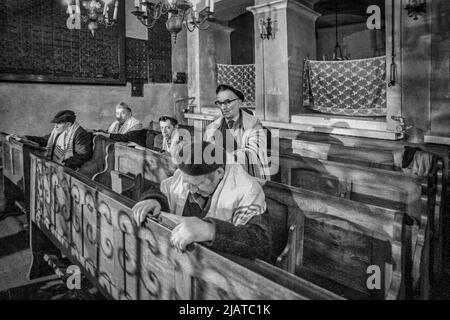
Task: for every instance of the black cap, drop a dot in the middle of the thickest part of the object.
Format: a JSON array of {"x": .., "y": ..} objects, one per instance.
[
  {"x": 64, "y": 116},
  {"x": 224, "y": 87},
  {"x": 196, "y": 164}
]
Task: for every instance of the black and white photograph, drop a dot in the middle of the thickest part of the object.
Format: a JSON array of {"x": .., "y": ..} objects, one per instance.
[{"x": 259, "y": 151}]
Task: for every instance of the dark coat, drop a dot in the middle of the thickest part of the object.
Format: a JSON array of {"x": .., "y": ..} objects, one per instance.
[
  {"x": 136, "y": 136},
  {"x": 82, "y": 148}
]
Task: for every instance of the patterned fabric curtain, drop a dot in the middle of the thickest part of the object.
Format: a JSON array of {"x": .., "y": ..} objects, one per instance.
[
  {"x": 349, "y": 87},
  {"x": 241, "y": 77}
]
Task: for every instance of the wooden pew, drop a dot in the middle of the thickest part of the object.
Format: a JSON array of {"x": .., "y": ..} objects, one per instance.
[
  {"x": 98, "y": 163},
  {"x": 333, "y": 242},
  {"x": 130, "y": 170},
  {"x": 432, "y": 185},
  {"x": 93, "y": 227},
  {"x": 285, "y": 215},
  {"x": 16, "y": 170}
]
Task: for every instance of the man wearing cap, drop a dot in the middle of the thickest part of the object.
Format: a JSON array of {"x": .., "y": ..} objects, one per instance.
[
  {"x": 239, "y": 132},
  {"x": 68, "y": 143},
  {"x": 220, "y": 204}
]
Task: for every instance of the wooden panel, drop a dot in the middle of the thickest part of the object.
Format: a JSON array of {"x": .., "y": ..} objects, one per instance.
[
  {"x": 316, "y": 181},
  {"x": 99, "y": 157},
  {"x": 7, "y": 165},
  {"x": 153, "y": 166},
  {"x": 338, "y": 251},
  {"x": 339, "y": 153},
  {"x": 336, "y": 237}
]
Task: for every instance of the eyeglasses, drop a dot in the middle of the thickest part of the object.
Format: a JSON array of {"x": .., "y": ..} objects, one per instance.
[{"x": 225, "y": 103}]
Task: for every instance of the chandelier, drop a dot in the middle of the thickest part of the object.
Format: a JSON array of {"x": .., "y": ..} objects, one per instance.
[
  {"x": 180, "y": 12},
  {"x": 95, "y": 13}
]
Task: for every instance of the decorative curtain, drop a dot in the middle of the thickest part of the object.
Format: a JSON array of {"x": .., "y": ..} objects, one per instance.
[
  {"x": 241, "y": 77},
  {"x": 348, "y": 87}
]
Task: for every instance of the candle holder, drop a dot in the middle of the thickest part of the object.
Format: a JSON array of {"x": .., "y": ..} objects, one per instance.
[
  {"x": 266, "y": 29},
  {"x": 179, "y": 13},
  {"x": 96, "y": 13},
  {"x": 416, "y": 8}
]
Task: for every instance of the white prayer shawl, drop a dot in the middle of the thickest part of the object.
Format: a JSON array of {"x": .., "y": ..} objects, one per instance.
[
  {"x": 130, "y": 124},
  {"x": 67, "y": 137},
  {"x": 238, "y": 197},
  {"x": 251, "y": 143}
]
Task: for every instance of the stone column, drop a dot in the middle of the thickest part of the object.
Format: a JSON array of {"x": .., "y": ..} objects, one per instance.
[
  {"x": 279, "y": 61},
  {"x": 206, "y": 48}
]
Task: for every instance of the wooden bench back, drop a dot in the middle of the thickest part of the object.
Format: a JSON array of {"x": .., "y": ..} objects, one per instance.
[
  {"x": 419, "y": 197},
  {"x": 333, "y": 241},
  {"x": 367, "y": 157},
  {"x": 98, "y": 162}
]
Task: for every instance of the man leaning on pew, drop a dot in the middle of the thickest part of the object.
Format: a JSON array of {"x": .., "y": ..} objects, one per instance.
[
  {"x": 218, "y": 203},
  {"x": 68, "y": 143}
]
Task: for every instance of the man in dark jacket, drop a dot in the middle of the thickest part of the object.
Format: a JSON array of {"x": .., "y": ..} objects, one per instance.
[
  {"x": 218, "y": 203},
  {"x": 68, "y": 143}
]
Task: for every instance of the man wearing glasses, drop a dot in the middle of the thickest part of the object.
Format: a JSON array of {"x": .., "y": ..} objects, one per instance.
[{"x": 239, "y": 133}]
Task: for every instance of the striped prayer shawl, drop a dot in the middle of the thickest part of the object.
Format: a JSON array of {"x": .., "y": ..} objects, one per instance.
[{"x": 66, "y": 150}]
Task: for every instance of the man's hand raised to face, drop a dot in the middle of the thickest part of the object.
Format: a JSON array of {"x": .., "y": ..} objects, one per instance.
[{"x": 141, "y": 209}]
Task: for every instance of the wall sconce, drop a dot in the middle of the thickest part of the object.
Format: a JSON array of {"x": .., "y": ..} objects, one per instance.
[
  {"x": 416, "y": 8},
  {"x": 265, "y": 29}
]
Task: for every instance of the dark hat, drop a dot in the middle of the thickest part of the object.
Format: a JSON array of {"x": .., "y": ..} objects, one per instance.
[
  {"x": 225, "y": 87},
  {"x": 64, "y": 116},
  {"x": 197, "y": 162}
]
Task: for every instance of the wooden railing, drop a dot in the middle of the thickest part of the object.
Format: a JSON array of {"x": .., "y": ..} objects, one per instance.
[{"x": 93, "y": 226}]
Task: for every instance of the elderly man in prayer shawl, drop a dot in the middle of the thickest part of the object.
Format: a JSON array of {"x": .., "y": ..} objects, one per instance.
[
  {"x": 217, "y": 202},
  {"x": 125, "y": 121},
  {"x": 68, "y": 143},
  {"x": 126, "y": 128},
  {"x": 240, "y": 133}
]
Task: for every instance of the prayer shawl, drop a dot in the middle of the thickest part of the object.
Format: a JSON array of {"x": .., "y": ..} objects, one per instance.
[
  {"x": 251, "y": 143},
  {"x": 237, "y": 198},
  {"x": 130, "y": 124},
  {"x": 67, "y": 137},
  {"x": 348, "y": 87}
]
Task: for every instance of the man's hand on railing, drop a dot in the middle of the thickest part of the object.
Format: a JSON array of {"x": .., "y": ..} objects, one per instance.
[
  {"x": 190, "y": 230},
  {"x": 143, "y": 208},
  {"x": 101, "y": 133},
  {"x": 14, "y": 137}
]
